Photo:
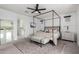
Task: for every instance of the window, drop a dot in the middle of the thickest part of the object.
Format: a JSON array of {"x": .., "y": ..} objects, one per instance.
[
  {"x": 21, "y": 29},
  {"x": 6, "y": 28}
]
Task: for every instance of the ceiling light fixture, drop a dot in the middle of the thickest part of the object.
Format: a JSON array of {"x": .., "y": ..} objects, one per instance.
[{"x": 36, "y": 12}]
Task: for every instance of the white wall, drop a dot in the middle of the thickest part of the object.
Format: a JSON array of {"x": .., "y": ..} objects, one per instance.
[
  {"x": 39, "y": 25},
  {"x": 8, "y": 15},
  {"x": 26, "y": 24},
  {"x": 71, "y": 24},
  {"x": 49, "y": 22}
]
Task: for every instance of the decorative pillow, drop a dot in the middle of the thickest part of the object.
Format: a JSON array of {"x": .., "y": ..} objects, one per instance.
[{"x": 50, "y": 30}]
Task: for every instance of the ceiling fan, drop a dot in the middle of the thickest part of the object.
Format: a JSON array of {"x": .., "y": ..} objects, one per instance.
[{"x": 36, "y": 9}]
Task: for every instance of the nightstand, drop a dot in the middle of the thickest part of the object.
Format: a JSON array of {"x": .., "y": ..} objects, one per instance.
[{"x": 68, "y": 35}]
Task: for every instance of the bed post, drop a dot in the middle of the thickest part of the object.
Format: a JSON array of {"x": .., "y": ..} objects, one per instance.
[
  {"x": 44, "y": 25},
  {"x": 0, "y": 30},
  {"x": 52, "y": 25},
  {"x": 60, "y": 28},
  {"x": 33, "y": 22}
]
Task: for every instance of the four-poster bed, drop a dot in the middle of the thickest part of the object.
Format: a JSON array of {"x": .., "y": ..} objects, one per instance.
[{"x": 49, "y": 32}]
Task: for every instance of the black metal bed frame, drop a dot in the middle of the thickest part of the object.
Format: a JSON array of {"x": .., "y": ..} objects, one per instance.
[{"x": 53, "y": 12}]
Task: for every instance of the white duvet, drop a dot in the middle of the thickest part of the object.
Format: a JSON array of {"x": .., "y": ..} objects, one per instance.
[{"x": 42, "y": 37}]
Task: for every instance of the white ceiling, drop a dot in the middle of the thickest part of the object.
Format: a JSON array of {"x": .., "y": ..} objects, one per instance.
[{"x": 21, "y": 8}]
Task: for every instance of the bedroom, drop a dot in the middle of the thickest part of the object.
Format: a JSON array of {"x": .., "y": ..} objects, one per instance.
[{"x": 15, "y": 29}]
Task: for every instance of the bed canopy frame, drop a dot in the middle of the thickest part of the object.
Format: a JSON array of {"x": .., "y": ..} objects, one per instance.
[{"x": 54, "y": 15}]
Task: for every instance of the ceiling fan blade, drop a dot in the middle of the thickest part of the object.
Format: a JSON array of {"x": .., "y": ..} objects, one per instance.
[
  {"x": 42, "y": 9},
  {"x": 30, "y": 8},
  {"x": 33, "y": 11},
  {"x": 39, "y": 11}
]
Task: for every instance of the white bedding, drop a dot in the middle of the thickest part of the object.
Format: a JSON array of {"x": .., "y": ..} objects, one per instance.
[
  {"x": 43, "y": 34},
  {"x": 43, "y": 37}
]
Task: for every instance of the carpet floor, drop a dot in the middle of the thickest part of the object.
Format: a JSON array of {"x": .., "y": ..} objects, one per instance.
[{"x": 26, "y": 46}]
